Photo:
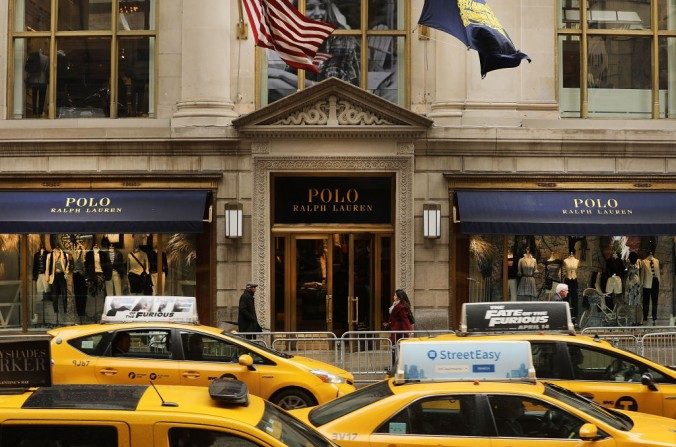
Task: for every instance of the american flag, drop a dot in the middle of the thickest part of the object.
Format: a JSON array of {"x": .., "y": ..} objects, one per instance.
[
  {"x": 279, "y": 26},
  {"x": 320, "y": 58}
]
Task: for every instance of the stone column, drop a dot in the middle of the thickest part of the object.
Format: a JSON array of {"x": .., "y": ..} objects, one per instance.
[{"x": 208, "y": 29}]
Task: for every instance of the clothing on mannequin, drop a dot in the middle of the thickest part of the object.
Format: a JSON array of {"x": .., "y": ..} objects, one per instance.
[
  {"x": 651, "y": 286},
  {"x": 37, "y": 78},
  {"x": 152, "y": 262},
  {"x": 40, "y": 273},
  {"x": 615, "y": 273},
  {"x": 137, "y": 263},
  {"x": 79, "y": 281},
  {"x": 634, "y": 288},
  {"x": 117, "y": 269},
  {"x": 553, "y": 267},
  {"x": 526, "y": 290},
  {"x": 57, "y": 267},
  {"x": 569, "y": 270},
  {"x": 512, "y": 276},
  {"x": 97, "y": 269}
]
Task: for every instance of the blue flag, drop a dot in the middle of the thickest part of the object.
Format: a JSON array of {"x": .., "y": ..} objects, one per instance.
[{"x": 475, "y": 25}]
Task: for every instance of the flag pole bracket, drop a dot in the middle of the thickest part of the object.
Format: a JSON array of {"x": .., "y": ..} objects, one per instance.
[{"x": 242, "y": 30}]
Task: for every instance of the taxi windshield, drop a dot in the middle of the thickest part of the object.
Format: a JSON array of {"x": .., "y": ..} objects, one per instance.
[
  {"x": 616, "y": 420},
  {"x": 289, "y": 430},
  {"x": 260, "y": 346},
  {"x": 349, "y": 403}
]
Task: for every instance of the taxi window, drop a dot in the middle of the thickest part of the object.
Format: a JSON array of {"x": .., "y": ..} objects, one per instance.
[
  {"x": 58, "y": 436},
  {"x": 544, "y": 360},
  {"x": 200, "y": 347},
  {"x": 146, "y": 344},
  {"x": 350, "y": 402},
  {"x": 289, "y": 430},
  {"x": 194, "y": 437},
  {"x": 614, "y": 419},
  {"x": 592, "y": 364},
  {"x": 525, "y": 417},
  {"x": 94, "y": 344},
  {"x": 436, "y": 416}
]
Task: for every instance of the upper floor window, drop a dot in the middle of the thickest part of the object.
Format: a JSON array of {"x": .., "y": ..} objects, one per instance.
[
  {"x": 83, "y": 58},
  {"x": 368, "y": 49},
  {"x": 617, "y": 58}
]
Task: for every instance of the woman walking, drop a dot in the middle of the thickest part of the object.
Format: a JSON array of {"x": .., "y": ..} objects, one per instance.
[{"x": 400, "y": 320}]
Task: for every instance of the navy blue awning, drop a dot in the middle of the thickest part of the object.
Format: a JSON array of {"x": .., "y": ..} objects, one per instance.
[
  {"x": 567, "y": 212},
  {"x": 83, "y": 211}
]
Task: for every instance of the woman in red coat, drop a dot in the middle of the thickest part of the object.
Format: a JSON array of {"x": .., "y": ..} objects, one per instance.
[{"x": 400, "y": 316}]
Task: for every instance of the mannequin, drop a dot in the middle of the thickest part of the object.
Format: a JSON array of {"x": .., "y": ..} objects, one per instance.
[
  {"x": 633, "y": 287},
  {"x": 97, "y": 269},
  {"x": 570, "y": 265},
  {"x": 37, "y": 78},
  {"x": 512, "y": 276},
  {"x": 57, "y": 268},
  {"x": 39, "y": 270},
  {"x": 527, "y": 267},
  {"x": 137, "y": 263},
  {"x": 117, "y": 268},
  {"x": 152, "y": 266},
  {"x": 553, "y": 268},
  {"x": 79, "y": 281},
  {"x": 651, "y": 286},
  {"x": 615, "y": 273}
]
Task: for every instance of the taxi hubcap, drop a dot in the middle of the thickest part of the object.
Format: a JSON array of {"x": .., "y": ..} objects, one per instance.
[{"x": 291, "y": 402}]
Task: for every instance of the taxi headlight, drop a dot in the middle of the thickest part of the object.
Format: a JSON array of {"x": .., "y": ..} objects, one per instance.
[{"x": 327, "y": 377}]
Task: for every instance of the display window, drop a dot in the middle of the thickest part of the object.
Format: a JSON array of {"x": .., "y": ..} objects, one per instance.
[
  {"x": 70, "y": 274},
  {"x": 65, "y": 54}
]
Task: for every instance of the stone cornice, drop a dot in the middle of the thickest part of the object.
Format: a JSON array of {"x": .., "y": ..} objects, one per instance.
[
  {"x": 560, "y": 181},
  {"x": 164, "y": 147}
]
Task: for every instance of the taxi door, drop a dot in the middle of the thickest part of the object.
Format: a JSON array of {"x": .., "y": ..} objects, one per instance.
[
  {"x": 206, "y": 358},
  {"x": 612, "y": 380},
  {"x": 148, "y": 358}
]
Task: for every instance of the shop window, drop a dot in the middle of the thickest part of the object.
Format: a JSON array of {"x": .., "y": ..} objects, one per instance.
[
  {"x": 66, "y": 71},
  {"x": 82, "y": 298},
  {"x": 369, "y": 54},
  {"x": 616, "y": 80},
  {"x": 10, "y": 283}
]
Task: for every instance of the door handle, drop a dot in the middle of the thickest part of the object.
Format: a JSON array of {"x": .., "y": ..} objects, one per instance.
[
  {"x": 191, "y": 375},
  {"x": 329, "y": 308},
  {"x": 108, "y": 371},
  {"x": 355, "y": 300}
]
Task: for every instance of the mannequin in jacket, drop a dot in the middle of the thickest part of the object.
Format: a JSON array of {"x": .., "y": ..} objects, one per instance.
[
  {"x": 650, "y": 277},
  {"x": 58, "y": 265},
  {"x": 117, "y": 268},
  {"x": 137, "y": 263},
  {"x": 569, "y": 270},
  {"x": 98, "y": 270},
  {"x": 39, "y": 273},
  {"x": 79, "y": 281}
]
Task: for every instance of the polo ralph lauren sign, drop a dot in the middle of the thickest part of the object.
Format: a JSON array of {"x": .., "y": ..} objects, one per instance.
[{"x": 345, "y": 200}]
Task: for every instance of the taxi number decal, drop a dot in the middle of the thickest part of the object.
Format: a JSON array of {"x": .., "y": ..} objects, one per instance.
[
  {"x": 80, "y": 362},
  {"x": 344, "y": 436}
]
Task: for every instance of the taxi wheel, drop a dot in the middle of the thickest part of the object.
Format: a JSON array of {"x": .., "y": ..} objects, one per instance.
[{"x": 293, "y": 398}]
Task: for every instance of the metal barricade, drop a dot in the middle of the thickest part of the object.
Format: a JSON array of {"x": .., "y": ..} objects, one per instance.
[
  {"x": 636, "y": 331},
  {"x": 322, "y": 346},
  {"x": 660, "y": 347}
]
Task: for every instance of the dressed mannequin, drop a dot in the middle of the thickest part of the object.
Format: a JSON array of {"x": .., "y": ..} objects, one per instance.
[
  {"x": 615, "y": 273},
  {"x": 137, "y": 263},
  {"x": 57, "y": 268},
  {"x": 527, "y": 268},
  {"x": 570, "y": 265},
  {"x": 152, "y": 263},
  {"x": 79, "y": 281},
  {"x": 97, "y": 269},
  {"x": 650, "y": 275},
  {"x": 39, "y": 270},
  {"x": 553, "y": 268},
  {"x": 512, "y": 276},
  {"x": 633, "y": 287},
  {"x": 117, "y": 269}
]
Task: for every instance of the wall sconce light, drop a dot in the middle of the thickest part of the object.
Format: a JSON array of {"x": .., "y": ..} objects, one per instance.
[
  {"x": 233, "y": 220},
  {"x": 432, "y": 220}
]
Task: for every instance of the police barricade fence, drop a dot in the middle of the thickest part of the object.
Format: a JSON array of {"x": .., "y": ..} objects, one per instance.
[{"x": 660, "y": 347}]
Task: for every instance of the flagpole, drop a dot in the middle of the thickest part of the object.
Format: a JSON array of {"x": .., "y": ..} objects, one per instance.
[{"x": 242, "y": 33}]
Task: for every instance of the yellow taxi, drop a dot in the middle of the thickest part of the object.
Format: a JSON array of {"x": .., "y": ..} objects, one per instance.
[
  {"x": 586, "y": 365},
  {"x": 136, "y": 347},
  {"x": 34, "y": 413},
  {"x": 477, "y": 394}
]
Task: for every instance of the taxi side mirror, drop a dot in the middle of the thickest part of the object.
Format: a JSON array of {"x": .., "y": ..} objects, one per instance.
[
  {"x": 246, "y": 360},
  {"x": 647, "y": 380},
  {"x": 589, "y": 432}
]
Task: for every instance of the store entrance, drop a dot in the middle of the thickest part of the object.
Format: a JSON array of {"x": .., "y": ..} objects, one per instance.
[{"x": 334, "y": 282}]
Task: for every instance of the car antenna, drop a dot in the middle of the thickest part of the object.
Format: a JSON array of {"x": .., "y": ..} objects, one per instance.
[{"x": 164, "y": 403}]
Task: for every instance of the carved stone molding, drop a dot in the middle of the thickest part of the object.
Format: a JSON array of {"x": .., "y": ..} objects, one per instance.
[
  {"x": 260, "y": 147},
  {"x": 263, "y": 166},
  {"x": 333, "y": 111},
  {"x": 405, "y": 148}
]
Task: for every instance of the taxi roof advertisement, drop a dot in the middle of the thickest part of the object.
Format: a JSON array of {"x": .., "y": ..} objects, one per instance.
[
  {"x": 516, "y": 316},
  {"x": 125, "y": 309},
  {"x": 465, "y": 360},
  {"x": 25, "y": 362}
]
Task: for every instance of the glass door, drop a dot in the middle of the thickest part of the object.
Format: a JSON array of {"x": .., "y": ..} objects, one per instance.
[{"x": 312, "y": 283}]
